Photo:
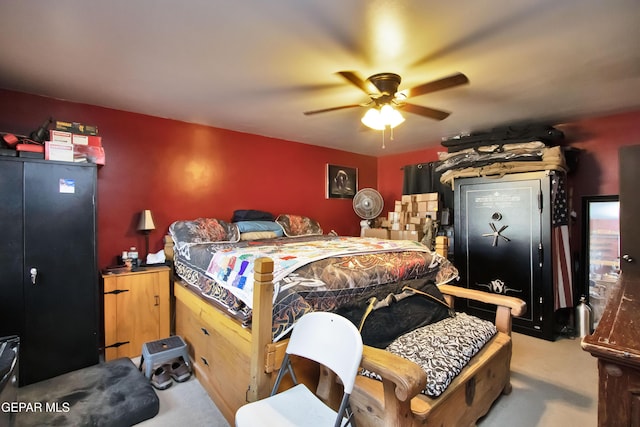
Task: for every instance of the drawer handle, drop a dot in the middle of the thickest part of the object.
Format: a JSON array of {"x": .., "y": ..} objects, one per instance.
[
  {"x": 204, "y": 331},
  {"x": 204, "y": 361}
]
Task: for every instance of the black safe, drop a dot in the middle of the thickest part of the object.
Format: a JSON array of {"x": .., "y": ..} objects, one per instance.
[{"x": 503, "y": 245}]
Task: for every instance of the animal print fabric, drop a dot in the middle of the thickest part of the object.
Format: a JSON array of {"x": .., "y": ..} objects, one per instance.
[{"x": 442, "y": 349}]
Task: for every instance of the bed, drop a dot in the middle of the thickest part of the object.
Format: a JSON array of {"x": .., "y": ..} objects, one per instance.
[{"x": 239, "y": 291}]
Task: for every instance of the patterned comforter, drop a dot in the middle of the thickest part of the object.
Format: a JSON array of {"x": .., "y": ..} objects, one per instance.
[{"x": 310, "y": 273}]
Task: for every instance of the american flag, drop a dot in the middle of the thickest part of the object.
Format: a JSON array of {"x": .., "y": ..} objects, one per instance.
[{"x": 562, "y": 282}]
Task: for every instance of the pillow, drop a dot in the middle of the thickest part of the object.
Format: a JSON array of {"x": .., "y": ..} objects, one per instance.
[
  {"x": 296, "y": 225},
  {"x": 257, "y": 235},
  {"x": 250, "y": 226},
  {"x": 442, "y": 349},
  {"x": 204, "y": 230},
  {"x": 251, "y": 215}
]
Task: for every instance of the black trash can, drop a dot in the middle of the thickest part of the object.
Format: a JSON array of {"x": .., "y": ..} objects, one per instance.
[{"x": 9, "y": 351}]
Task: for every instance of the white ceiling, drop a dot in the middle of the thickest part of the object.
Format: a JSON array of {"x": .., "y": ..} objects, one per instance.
[{"x": 255, "y": 65}]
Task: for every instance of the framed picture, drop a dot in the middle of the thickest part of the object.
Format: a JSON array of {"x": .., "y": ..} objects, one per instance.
[{"x": 342, "y": 182}]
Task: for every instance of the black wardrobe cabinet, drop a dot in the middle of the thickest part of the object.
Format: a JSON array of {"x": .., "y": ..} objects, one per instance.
[
  {"x": 503, "y": 245},
  {"x": 49, "y": 280}
]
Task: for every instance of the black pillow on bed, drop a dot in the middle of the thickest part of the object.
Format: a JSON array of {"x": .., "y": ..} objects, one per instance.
[
  {"x": 251, "y": 215},
  {"x": 385, "y": 324}
]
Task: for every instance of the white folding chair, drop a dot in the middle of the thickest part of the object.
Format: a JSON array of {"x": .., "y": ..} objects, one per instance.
[{"x": 328, "y": 339}]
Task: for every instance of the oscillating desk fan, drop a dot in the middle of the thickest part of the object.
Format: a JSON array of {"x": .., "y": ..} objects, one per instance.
[{"x": 368, "y": 204}]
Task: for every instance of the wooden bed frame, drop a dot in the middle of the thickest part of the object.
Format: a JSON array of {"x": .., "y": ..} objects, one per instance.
[{"x": 236, "y": 365}]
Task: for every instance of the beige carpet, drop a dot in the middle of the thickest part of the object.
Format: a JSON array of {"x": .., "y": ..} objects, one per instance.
[
  {"x": 186, "y": 404},
  {"x": 554, "y": 384}
]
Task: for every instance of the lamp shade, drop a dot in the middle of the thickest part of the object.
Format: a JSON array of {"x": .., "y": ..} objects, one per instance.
[
  {"x": 379, "y": 119},
  {"x": 372, "y": 119},
  {"x": 390, "y": 116},
  {"x": 146, "y": 221}
]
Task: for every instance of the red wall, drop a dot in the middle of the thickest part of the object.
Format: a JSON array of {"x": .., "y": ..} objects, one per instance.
[{"x": 183, "y": 171}]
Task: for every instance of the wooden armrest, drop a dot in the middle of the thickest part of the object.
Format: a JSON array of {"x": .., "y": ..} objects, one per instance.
[
  {"x": 516, "y": 305},
  {"x": 409, "y": 378},
  {"x": 507, "y": 307}
]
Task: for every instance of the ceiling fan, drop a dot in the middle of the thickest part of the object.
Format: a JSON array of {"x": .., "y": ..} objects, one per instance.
[{"x": 382, "y": 88}]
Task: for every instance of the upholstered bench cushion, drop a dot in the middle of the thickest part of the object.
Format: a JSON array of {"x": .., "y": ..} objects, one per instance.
[
  {"x": 442, "y": 349},
  {"x": 110, "y": 394}
]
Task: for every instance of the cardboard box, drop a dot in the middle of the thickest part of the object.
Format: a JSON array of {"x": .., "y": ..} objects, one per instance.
[
  {"x": 75, "y": 127},
  {"x": 433, "y": 205},
  {"x": 399, "y": 206},
  {"x": 429, "y": 206},
  {"x": 425, "y": 197},
  {"x": 442, "y": 245},
  {"x": 95, "y": 141},
  {"x": 393, "y": 216},
  {"x": 415, "y": 235},
  {"x": 60, "y": 136},
  {"x": 417, "y": 220},
  {"x": 434, "y": 215},
  {"x": 378, "y": 233},
  {"x": 428, "y": 214},
  {"x": 59, "y": 151},
  {"x": 412, "y": 207},
  {"x": 408, "y": 198}
]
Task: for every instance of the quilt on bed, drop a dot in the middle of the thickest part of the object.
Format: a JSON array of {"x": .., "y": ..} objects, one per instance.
[{"x": 310, "y": 273}]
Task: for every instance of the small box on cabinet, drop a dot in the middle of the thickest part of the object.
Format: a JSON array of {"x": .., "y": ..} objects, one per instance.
[{"x": 58, "y": 151}]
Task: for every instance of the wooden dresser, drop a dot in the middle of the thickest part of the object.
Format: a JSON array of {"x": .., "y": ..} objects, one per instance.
[{"x": 616, "y": 344}]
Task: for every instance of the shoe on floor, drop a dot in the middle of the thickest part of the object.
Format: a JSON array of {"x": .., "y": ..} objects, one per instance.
[
  {"x": 161, "y": 378},
  {"x": 179, "y": 370}
]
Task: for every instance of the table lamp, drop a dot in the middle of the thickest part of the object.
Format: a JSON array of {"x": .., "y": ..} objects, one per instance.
[{"x": 145, "y": 226}]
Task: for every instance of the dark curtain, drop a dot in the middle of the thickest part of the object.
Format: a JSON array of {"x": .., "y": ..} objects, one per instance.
[
  {"x": 422, "y": 178},
  {"x": 417, "y": 179}
]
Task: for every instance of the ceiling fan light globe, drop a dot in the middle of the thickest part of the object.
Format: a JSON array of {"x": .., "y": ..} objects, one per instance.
[
  {"x": 372, "y": 118},
  {"x": 390, "y": 116}
]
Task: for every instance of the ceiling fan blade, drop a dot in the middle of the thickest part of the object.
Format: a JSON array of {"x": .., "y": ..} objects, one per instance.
[
  {"x": 324, "y": 110},
  {"x": 444, "y": 83},
  {"x": 353, "y": 78},
  {"x": 425, "y": 111}
]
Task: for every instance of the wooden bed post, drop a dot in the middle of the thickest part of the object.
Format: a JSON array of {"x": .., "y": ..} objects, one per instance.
[{"x": 261, "y": 325}]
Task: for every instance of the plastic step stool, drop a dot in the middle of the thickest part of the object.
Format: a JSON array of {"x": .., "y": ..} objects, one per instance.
[{"x": 155, "y": 353}]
